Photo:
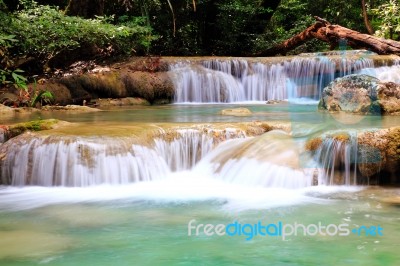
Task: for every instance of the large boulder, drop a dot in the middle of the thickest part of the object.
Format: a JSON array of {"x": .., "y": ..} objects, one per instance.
[
  {"x": 150, "y": 86},
  {"x": 361, "y": 94}
]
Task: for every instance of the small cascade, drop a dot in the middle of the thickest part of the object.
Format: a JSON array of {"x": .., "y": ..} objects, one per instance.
[
  {"x": 338, "y": 158},
  {"x": 384, "y": 73},
  {"x": 77, "y": 162},
  {"x": 183, "y": 148},
  {"x": 86, "y": 161},
  {"x": 241, "y": 79},
  {"x": 269, "y": 160},
  {"x": 194, "y": 83}
]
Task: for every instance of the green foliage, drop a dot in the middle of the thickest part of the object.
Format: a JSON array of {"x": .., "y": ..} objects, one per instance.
[
  {"x": 45, "y": 32},
  {"x": 2, "y": 5},
  {"x": 179, "y": 27},
  {"x": 6, "y": 41},
  {"x": 389, "y": 14},
  {"x": 347, "y": 13},
  {"x": 42, "y": 97},
  {"x": 29, "y": 96},
  {"x": 241, "y": 23},
  {"x": 13, "y": 77},
  {"x": 291, "y": 18},
  {"x": 9, "y": 76}
]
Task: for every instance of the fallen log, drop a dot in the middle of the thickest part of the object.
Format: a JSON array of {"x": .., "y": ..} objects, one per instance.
[{"x": 333, "y": 34}]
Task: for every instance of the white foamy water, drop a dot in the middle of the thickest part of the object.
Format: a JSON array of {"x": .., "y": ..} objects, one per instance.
[
  {"x": 270, "y": 160},
  {"x": 385, "y": 73},
  {"x": 87, "y": 161},
  {"x": 237, "y": 80},
  {"x": 177, "y": 187},
  {"x": 80, "y": 162}
]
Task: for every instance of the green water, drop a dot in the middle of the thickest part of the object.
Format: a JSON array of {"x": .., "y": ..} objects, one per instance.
[
  {"x": 208, "y": 113},
  {"x": 138, "y": 232},
  {"x": 152, "y": 229}
]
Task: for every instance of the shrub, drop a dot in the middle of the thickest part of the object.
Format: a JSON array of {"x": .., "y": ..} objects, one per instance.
[{"x": 45, "y": 32}]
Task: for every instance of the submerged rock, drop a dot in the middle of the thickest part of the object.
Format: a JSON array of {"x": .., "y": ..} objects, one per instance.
[
  {"x": 121, "y": 102},
  {"x": 236, "y": 112},
  {"x": 36, "y": 125},
  {"x": 70, "y": 108},
  {"x": 361, "y": 94}
]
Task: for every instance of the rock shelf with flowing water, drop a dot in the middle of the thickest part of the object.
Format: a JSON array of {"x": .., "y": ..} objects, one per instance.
[
  {"x": 228, "y": 80},
  {"x": 68, "y": 160}
]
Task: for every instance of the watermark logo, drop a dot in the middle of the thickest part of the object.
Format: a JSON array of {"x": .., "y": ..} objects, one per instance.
[{"x": 280, "y": 229}]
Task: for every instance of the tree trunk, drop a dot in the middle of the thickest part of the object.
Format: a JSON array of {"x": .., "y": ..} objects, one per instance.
[
  {"x": 333, "y": 34},
  {"x": 85, "y": 8},
  {"x": 365, "y": 17}
]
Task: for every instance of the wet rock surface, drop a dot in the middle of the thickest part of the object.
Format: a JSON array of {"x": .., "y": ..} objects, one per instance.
[
  {"x": 372, "y": 155},
  {"x": 361, "y": 94}
]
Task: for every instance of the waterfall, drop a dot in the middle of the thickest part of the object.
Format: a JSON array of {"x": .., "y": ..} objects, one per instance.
[
  {"x": 384, "y": 73},
  {"x": 241, "y": 79},
  {"x": 85, "y": 161},
  {"x": 273, "y": 159},
  {"x": 76, "y": 161},
  {"x": 338, "y": 159},
  {"x": 189, "y": 146}
]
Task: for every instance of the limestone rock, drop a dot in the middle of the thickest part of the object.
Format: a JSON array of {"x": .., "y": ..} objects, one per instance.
[
  {"x": 6, "y": 110},
  {"x": 150, "y": 86},
  {"x": 236, "y": 112},
  {"x": 70, "y": 108},
  {"x": 121, "y": 102},
  {"x": 361, "y": 94}
]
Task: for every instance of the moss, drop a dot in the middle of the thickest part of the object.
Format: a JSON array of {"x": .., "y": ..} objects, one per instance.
[
  {"x": 36, "y": 125},
  {"x": 313, "y": 144}
]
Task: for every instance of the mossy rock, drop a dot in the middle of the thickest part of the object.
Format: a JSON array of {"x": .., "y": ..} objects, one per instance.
[
  {"x": 313, "y": 144},
  {"x": 103, "y": 85},
  {"x": 150, "y": 86},
  {"x": 60, "y": 92},
  {"x": 36, "y": 125}
]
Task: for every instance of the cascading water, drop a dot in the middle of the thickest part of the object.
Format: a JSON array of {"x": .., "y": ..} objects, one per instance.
[
  {"x": 269, "y": 160},
  {"x": 56, "y": 161},
  {"x": 338, "y": 160},
  {"x": 78, "y": 161},
  {"x": 238, "y": 80},
  {"x": 385, "y": 73},
  {"x": 189, "y": 146}
]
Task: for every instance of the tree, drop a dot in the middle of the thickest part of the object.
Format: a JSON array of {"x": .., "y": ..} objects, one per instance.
[
  {"x": 365, "y": 17},
  {"x": 334, "y": 34}
]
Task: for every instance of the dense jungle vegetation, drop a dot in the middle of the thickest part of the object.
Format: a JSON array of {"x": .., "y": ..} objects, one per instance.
[{"x": 44, "y": 35}]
